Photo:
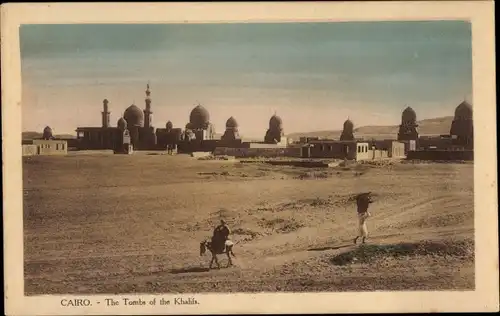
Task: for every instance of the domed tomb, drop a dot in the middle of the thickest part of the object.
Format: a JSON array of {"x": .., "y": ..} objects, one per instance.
[
  {"x": 408, "y": 126},
  {"x": 462, "y": 126},
  {"x": 134, "y": 116},
  {"x": 348, "y": 125},
  {"x": 47, "y": 133},
  {"x": 348, "y": 131},
  {"x": 169, "y": 125},
  {"x": 275, "y": 131},
  {"x": 231, "y": 132},
  {"x": 199, "y": 118},
  {"x": 121, "y": 124},
  {"x": 409, "y": 115},
  {"x": 231, "y": 123},
  {"x": 275, "y": 122},
  {"x": 463, "y": 111}
]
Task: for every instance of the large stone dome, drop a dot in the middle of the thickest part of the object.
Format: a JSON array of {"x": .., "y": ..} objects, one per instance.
[
  {"x": 463, "y": 111},
  {"x": 199, "y": 117},
  {"x": 134, "y": 116},
  {"x": 231, "y": 123},
  {"x": 409, "y": 115},
  {"x": 121, "y": 124},
  {"x": 275, "y": 121},
  {"x": 348, "y": 125}
]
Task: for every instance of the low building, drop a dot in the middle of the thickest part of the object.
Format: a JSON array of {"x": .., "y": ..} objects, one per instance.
[
  {"x": 46, "y": 147},
  {"x": 395, "y": 149},
  {"x": 351, "y": 150}
]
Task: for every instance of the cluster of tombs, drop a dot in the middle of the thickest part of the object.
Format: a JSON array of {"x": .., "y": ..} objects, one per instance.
[{"x": 135, "y": 131}]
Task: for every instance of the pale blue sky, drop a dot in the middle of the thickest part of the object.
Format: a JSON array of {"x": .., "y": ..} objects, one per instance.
[{"x": 314, "y": 75}]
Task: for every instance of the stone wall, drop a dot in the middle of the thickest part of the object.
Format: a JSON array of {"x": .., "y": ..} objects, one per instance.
[
  {"x": 395, "y": 149},
  {"x": 51, "y": 147},
  {"x": 30, "y": 150},
  {"x": 376, "y": 154},
  {"x": 333, "y": 149},
  {"x": 257, "y": 152},
  {"x": 363, "y": 152},
  {"x": 264, "y": 145},
  {"x": 449, "y": 155},
  {"x": 208, "y": 145}
]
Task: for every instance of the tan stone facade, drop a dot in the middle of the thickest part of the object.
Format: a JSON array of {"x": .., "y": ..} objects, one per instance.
[{"x": 43, "y": 147}]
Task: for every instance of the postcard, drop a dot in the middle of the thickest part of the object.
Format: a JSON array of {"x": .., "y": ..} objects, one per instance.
[{"x": 229, "y": 158}]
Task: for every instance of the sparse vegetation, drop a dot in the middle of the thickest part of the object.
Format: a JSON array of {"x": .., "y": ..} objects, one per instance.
[
  {"x": 366, "y": 254},
  {"x": 313, "y": 175},
  {"x": 216, "y": 157},
  {"x": 104, "y": 223},
  {"x": 244, "y": 231},
  {"x": 281, "y": 225}
]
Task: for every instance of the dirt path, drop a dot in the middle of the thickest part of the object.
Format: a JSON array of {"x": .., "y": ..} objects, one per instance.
[{"x": 104, "y": 231}]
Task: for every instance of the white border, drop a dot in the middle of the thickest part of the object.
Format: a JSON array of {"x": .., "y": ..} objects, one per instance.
[{"x": 479, "y": 13}]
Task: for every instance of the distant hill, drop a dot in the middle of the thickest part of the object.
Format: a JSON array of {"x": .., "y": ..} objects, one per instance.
[
  {"x": 427, "y": 127},
  {"x": 32, "y": 135}
]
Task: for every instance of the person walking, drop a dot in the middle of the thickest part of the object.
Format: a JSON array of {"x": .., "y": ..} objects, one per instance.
[{"x": 363, "y": 202}]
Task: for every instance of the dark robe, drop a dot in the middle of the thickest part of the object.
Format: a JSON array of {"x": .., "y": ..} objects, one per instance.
[
  {"x": 221, "y": 233},
  {"x": 363, "y": 201}
]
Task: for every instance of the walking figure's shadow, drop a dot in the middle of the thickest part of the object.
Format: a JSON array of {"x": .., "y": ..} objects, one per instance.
[{"x": 329, "y": 248}]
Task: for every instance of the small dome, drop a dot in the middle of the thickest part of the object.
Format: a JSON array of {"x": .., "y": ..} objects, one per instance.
[
  {"x": 231, "y": 123},
  {"x": 199, "y": 117},
  {"x": 169, "y": 125},
  {"x": 409, "y": 115},
  {"x": 47, "y": 132},
  {"x": 121, "y": 124},
  {"x": 134, "y": 116},
  {"x": 463, "y": 111},
  {"x": 275, "y": 121}
]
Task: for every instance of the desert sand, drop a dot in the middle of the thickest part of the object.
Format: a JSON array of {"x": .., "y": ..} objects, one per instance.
[{"x": 103, "y": 223}]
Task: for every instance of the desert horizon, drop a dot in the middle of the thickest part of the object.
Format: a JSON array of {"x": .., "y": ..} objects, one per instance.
[
  {"x": 218, "y": 158},
  {"x": 313, "y": 75},
  {"x": 140, "y": 210},
  {"x": 427, "y": 127}
]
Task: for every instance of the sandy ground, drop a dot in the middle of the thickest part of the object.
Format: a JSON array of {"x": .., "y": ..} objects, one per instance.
[{"x": 100, "y": 223}]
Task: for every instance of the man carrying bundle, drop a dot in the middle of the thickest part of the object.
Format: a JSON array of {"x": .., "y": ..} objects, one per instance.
[{"x": 363, "y": 201}]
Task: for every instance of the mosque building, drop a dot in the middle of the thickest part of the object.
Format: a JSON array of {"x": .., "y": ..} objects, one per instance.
[
  {"x": 135, "y": 129},
  {"x": 231, "y": 133},
  {"x": 169, "y": 136},
  {"x": 347, "y": 131},
  {"x": 135, "y": 124},
  {"x": 462, "y": 127},
  {"x": 408, "y": 128},
  {"x": 199, "y": 124},
  {"x": 275, "y": 131}
]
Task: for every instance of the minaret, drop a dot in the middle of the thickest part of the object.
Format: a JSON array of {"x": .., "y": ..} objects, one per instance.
[
  {"x": 105, "y": 114},
  {"x": 148, "y": 115}
]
